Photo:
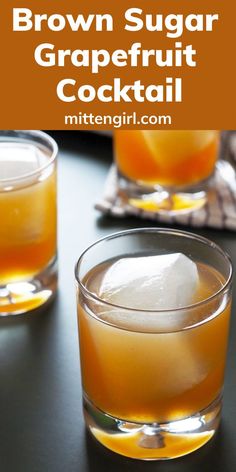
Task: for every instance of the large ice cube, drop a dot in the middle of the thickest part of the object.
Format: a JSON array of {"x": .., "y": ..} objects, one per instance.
[
  {"x": 19, "y": 159},
  {"x": 154, "y": 282}
]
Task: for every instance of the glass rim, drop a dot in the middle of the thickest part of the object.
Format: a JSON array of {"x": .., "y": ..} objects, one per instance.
[
  {"x": 159, "y": 230},
  {"x": 31, "y": 133}
]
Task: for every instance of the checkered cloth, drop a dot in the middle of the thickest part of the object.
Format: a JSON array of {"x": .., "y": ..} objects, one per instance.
[{"x": 218, "y": 212}]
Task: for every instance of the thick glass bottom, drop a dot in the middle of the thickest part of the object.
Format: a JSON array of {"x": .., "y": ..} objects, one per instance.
[
  {"x": 153, "y": 441},
  {"x": 28, "y": 294},
  {"x": 162, "y": 199}
]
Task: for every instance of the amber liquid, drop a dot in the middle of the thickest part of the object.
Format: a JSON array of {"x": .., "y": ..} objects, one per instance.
[
  {"x": 145, "y": 376},
  {"x": 169, "y": 158},
  {"x": 27, "y": 211}
]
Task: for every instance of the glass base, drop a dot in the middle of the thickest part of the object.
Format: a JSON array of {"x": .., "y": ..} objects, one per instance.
[
  {"x": 26, "y": 295},
  {"x": 153, "y": 441},
  {"x": 162, "y": 199}
]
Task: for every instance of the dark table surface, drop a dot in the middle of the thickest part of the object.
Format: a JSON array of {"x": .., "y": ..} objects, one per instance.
[{"x": 41, "y": 424}]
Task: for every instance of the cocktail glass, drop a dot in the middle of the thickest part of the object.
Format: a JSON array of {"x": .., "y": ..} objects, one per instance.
[
  {"x": 165, "y": 171},
  {"x": 152, "y": 379},
  {"x": 28, "y": 273}
]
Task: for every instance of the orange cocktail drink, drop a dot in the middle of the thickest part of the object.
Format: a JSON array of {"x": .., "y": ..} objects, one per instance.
[
  {"x": 151, "y": 385},
  {"x": 173, "y": 160},
  {"x": 28, "y": 221},
  {"x": 153, "y": 373}
]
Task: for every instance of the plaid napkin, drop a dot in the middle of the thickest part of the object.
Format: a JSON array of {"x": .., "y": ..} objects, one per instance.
[{"x": 218, "y": 212}]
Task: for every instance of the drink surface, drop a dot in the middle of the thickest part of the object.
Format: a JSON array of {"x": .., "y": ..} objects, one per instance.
[
  {"x": 27, "y": 211},
  {"x": 142, "y": 375},
  {"x": 171, "y": 158}
]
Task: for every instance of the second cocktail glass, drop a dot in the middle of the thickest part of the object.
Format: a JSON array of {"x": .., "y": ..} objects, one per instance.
[
  {"x": 28, "y": 232},
  {"x": 165, "y": 171}
]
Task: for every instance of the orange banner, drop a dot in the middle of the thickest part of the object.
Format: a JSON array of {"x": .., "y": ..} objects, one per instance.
[{"x": 87, "y": 65}]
